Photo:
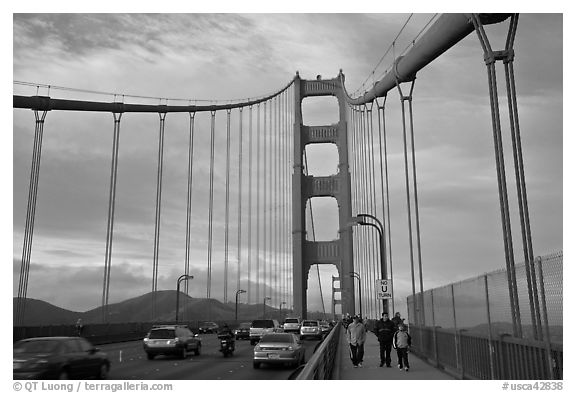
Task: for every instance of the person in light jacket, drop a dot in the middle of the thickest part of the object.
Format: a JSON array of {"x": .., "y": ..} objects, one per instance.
[
  {"x": 356, "y": 336},
  {"x": 402, "y": 342}
]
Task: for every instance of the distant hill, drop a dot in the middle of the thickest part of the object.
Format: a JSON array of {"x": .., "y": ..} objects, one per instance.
[
  {"x": 39, "y": 312},
  {"x": 139, "y": 309}
]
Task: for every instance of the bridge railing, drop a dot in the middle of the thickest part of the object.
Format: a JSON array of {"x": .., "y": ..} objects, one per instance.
[
  {"x": 321, "y": 364},
  {"x": 472, "y": 356}
]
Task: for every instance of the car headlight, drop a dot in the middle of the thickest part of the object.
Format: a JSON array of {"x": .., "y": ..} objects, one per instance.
[{"x": 257, "y": 347}]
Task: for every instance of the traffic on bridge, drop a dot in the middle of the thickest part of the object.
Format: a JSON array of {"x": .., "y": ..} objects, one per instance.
[{"x": 384, "y": 202}]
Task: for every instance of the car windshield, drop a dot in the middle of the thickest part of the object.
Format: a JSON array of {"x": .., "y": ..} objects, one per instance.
[
  {"x": 263, "y": 323},
  {"x": 245, "y": 325},
  {"x": 291, "y": 320},
  {"x": 162, "y": 333},
  {"x": 277, "y": 338},
  {"x": 209, "y": 324},
  {"x": 310, "y": 323},
  {"x": 37, "y": 346}
]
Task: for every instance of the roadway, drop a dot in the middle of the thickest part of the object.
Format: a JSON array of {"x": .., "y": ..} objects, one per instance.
[{"x": 129, "y": 362}]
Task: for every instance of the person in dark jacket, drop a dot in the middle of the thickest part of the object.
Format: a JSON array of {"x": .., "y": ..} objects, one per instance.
[
  {"x": 385, "y": 330},
  {"x": 397, "y": 320},
  {"x": 402, "y": 342}
]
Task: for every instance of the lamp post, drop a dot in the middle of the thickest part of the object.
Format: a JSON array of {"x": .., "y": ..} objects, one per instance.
[
  {"x": 238, "y": 292},
  {"x": 180, "y": 279},
  {"x": 264, "y": 307},
  {"x": 356, "y": 275},
  {"x": 359, "y": 219},
  {"x": 281, "y": 309}
]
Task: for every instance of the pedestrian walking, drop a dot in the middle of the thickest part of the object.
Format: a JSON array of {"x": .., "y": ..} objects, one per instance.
[
  {"x": 79, "y": 327},
  {"x": 402, "y": 342},
  {"x": 356, "y": 335},
  {"x": 397, "y": 319},
  {"x": 385, "y": 330}
]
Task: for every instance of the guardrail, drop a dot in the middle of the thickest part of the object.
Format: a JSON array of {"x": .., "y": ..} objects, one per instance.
[
  {"x": 472, "y": 356},
  {"x": 321, "y": 364}
]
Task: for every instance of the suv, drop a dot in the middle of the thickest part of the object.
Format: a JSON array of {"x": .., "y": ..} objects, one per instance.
[
  {"x": 310, "y": 328},
  {"x": 261, "y": 327},
  {"x": 292, "y": 325},
  {"x": 171, "y": 340}
]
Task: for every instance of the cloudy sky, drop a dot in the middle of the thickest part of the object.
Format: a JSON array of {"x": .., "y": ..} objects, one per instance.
[{"x": 229, "y": 56}]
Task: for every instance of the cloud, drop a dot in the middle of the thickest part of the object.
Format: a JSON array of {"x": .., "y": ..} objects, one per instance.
[{"x": 200, "y": 56}]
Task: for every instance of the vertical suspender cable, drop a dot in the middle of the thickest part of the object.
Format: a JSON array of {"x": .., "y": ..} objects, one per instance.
[
  {"x": 240, "y": 163},
  {"x": 408, "y": 204},
  {"x": 384, "y": 185},
  {"x": 265, "y": 207},
  {"x": 258, "y": 177},
  {"x": 364, "y": 195},
  {"x": 30, "y": 215},
  {"x": 416, "y": 209},
  {"x": 227, "y": 206},
  {"x": 501, "y": 176},
  {"x": 354, "y": 180},
  {"x": 210, "y": 210},
  {"x": 250, "y": 131},
  {"x": 270, "y": 195},
  {"x": 189, "y": 197},
  {"x": 162, "y": 116},
  {"x": 275, "y": 201},
  {"x": 374, "y": 210},
  {"x": 110, "y": 224},
  {"x": 521, "y": 181}
]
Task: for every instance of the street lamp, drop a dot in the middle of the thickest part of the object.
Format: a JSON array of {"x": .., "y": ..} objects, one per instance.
[
  {"x": 356, "y": 275},
  {"x": 238, "y": 292},
  {"x": 359, "y": 219},
  {"x": 180, "y": 279},
  {"x": 264, "y": 306},
  {"x": 281, "y": 309}
]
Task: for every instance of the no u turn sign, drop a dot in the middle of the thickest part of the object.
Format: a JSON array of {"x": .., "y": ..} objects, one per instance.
[{"x": 384, "y": 289}]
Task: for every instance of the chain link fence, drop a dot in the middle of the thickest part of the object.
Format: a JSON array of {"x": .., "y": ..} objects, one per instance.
[{"x": 479, "y": 311}]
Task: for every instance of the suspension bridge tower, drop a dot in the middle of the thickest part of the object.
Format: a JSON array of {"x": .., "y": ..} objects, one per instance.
[{"x": 306, "y": 252}]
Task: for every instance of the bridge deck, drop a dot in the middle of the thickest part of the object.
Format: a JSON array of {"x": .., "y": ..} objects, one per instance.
[{"x": 419, "y": 369}]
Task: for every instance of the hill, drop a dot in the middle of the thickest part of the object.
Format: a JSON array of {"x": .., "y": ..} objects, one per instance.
[
  {"x": 39, "y": 312},
  {"x": 139, "y": 309}
]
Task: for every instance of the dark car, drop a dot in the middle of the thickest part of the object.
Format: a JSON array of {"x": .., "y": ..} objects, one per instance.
[
  {"x": 58, "y": 358},
  {"x": 171, "y": 340},
  {"x": 242, "y": 332},
  {"x": 208, "y": 327}
]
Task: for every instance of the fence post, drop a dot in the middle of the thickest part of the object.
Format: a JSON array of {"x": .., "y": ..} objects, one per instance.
[
  {"x": 545, "y": 317},
  {"x": 490, "y": 343},
  {"x": 434, "y": 338},
  {"x": 456, "y": 339}
]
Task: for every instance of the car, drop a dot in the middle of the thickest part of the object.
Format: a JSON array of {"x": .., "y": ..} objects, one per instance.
[
  {"x": 58, "y": 358},
  {"x": 259, "y": 327},
  {"x": 292, "y": 325},
  {"x": 242, "y": 332},
  {"x": 310, "y": 328},
  {"x": 279, "y": 348},
  {"x": 325, "y": 327},
  {"x": 208, "y": 327},
  {"x": 171, "y": 340}
]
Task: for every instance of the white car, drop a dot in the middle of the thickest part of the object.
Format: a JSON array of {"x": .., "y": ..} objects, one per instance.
[
  {"x": 292, "y": 325},
  {"x": 261, "y": 327},
  {"x": 310, "y": 328}
]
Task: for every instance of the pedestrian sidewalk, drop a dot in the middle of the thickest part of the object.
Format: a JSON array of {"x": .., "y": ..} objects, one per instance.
[{"x": 419, "y": 369}]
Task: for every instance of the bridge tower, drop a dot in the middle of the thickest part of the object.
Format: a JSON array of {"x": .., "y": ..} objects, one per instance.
[{"x": 305, "y": 252}]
